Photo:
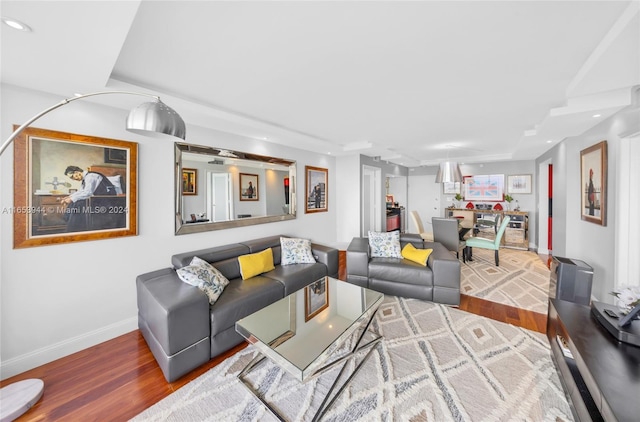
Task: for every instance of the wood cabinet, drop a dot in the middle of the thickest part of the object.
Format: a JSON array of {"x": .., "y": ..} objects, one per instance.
[
  {"x": 599, "y": 374},
  {"x": 48, "y": 215},
  {"x": 516, "y": 235}
]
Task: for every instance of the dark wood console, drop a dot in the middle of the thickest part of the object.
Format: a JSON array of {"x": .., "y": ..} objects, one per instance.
[{"x": 602, "y": 378}]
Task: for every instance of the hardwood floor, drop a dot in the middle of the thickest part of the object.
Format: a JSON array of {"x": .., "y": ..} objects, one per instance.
[{"x": 118, "y": 379}]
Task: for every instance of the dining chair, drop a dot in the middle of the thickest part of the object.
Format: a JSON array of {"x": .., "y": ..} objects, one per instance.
[
  {"x": 494, "y": 244},
  {"x": 447, "y": 232},
  {"x": 417, "y": 221}
]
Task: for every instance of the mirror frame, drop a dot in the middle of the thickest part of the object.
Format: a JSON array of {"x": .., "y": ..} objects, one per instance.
[{"x": 183, "y": 228}]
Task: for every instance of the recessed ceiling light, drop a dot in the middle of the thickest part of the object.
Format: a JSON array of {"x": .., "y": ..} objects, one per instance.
[
  {"x": 597, "y": 115},
  {"x": 549, "y": 141},
  {"x": 16, "y": 24}
]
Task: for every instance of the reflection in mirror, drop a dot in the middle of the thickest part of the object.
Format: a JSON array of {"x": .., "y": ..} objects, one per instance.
[{"x": 219, "y": 189}]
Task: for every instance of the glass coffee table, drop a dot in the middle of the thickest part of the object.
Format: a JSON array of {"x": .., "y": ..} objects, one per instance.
[{"x": 312, "y": 330}]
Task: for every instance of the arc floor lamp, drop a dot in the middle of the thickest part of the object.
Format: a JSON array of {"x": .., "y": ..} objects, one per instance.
[{"x": 151, "y": 119}]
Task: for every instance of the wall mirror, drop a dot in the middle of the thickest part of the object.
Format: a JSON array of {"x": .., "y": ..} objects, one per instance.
[{"x": 218, "y": 188}]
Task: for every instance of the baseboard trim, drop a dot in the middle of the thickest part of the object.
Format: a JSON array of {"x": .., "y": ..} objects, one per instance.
[{"x": 20, "y": 364}]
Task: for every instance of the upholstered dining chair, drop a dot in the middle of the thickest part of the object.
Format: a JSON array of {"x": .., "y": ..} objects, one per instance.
[
  {"x": 479, "y": 242},
  {"x": 417, "y": 221},
  {"x": 447, "y": 232}
]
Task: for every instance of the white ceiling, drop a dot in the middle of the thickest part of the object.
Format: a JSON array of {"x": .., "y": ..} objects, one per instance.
[{"x": 412, "y": 82}]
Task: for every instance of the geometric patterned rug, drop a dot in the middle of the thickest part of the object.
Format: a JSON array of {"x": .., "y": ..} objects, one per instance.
[
  {"x": 435, "y": 363},
  {"x": 521, "y": 280}
]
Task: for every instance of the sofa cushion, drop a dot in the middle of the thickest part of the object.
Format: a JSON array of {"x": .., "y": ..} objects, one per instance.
[
  {"x": 255, "y": 264},
  {"x": 400, "y": 270},
  {"x": 257, "y": 245},
  {"x": 294, "y": 277},
  {"x": 295, "y": 251},
  {"x": 242, "y": 298},
  {"x": 385, "y": 245},
  {"x": 211, "y": 255},
  {"x": 206, "y": 277},
  {"x": 419, "y": 256}
]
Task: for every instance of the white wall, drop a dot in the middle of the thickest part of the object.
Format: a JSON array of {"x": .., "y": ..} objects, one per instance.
[
  {"x": 573, "y": 237},
  {"x": 56, "y": 300},
  {"x": 347, "y": 202}
]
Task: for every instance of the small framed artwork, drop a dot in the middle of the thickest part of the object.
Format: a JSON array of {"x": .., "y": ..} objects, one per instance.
[
  {"x": 315, "y": 189},
  {"x": 189, "y": 181},
  {"x": 114, "y": 156},
  {"x": 72, "y": 188},
  {"x": 451, "y": 188},
  {"x": 316, "y": 298},
  {"x": 519, "y": 183},
  {"x": 248, "y": 187},
  {"x": 389, "y": 199},
  {"x": 593, "y": 186}
]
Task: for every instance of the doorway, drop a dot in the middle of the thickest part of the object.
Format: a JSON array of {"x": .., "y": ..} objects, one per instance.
[
  {"x": 219, "y": 201},
  {"x": 424, "y": 197},
  {"x": 545, "y": 208},
  {"x": 371, "y": 199}
]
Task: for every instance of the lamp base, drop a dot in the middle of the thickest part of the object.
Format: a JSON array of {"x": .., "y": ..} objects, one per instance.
[{"x": 17, "y": 398}]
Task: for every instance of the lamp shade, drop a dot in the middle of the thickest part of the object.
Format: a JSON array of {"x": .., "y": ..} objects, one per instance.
[
  {"x": 156, "y": 118},
  {"x": 448, "y": 172}
]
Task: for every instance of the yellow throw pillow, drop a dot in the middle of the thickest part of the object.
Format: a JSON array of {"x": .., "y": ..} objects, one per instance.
[
  {"x": 418, "y": 256},
  {"x": 255, "y": 264}
]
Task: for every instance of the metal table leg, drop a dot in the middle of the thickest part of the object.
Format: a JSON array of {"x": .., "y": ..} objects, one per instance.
[{"x": 328, "y": 401}]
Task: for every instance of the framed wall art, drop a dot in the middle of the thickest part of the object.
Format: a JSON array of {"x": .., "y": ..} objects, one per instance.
[
  {"x": 519, "y": 183},
  {"x": 484, "y": 188},
  {"x": 316, "y": 298},
  {"x": 67, "y": 190},
  {"x": 315, "y": 189},
  {"x": 451, "y": 188},
  {"x": 189, "y": 181},
  {"x": 248, "y": 187},
  {"x": 593, "y": 183}
]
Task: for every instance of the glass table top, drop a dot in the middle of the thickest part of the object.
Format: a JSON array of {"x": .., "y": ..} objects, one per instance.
[{"x": 303, "y": 330}]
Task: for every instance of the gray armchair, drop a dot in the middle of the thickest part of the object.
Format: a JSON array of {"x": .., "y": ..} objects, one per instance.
[{"x": 446, "y": 232}]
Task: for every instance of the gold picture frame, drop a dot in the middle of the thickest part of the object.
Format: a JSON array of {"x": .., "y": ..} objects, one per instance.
[
  {"x": 316, "y": 194},
  {"x": 189, "y": 181},
  {"x": 316, "y": 298},
  {"x": 249, "y": 187},
  {"x": 66, "y": 191},
  {"x": 593, "y": 186}
]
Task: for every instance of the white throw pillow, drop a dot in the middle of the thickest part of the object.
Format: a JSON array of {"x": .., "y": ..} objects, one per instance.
[
  {"x": 206, "y": 277},
  {"x": 295, "y": 251},
  {"x": 385, "y": 245}
]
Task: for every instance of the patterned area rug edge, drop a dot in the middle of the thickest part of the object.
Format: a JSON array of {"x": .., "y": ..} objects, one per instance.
[
  {"x": 521, "y": 280},
  {"x": 435, "y": 363}
]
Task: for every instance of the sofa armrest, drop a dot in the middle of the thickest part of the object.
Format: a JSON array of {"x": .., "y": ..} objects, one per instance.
[
  {"x": 177, "y": 314},
  {"x": 358, "y": 261},
  {"x": 445, "y": 266},
  {"x": 328, "y": 256}
]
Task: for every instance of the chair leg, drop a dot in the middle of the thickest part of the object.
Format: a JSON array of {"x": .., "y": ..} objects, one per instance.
[
  {"x": 469, "y": 253},
  {"x": 497, "y": 259}
]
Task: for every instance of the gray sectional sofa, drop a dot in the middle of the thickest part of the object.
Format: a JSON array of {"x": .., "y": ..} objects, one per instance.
[
  {"x": 438, "y": 282},
  {"x": 184, "y": 331}
]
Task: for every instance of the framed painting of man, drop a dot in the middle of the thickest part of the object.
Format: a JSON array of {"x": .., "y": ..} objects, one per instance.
[
  {"x": 249, "y": 187},
  {"x": 593, "y": 186},
  {"x": 189, "y": 181},
  {"x": 316, "y": 181},
  {"x": 66, "y": 189}
]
